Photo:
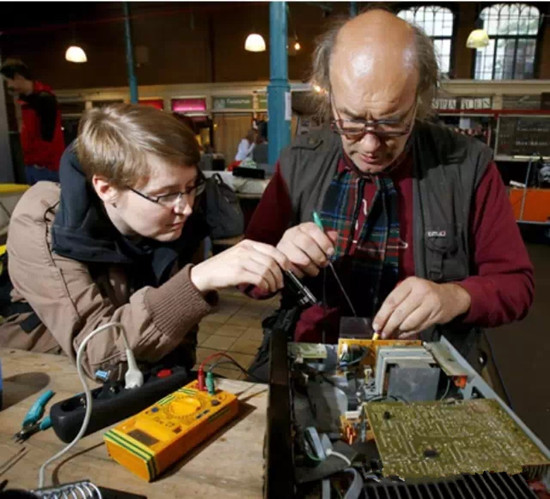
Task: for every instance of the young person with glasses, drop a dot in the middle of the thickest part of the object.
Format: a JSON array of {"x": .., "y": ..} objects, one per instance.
[
  {"x": 115, "y": 240},
  {"x": 416, "y": 218}
]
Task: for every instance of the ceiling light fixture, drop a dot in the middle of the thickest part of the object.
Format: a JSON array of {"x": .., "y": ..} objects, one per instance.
[
  {"x": 478, "y": 39},
  {"x": 254, "y": 43},
  {"x": 75, "y": 54}
]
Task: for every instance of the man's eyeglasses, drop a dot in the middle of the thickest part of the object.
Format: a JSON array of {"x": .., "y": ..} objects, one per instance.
[
  {"x": 383, "y": 129},
  {"x": 170, "y": 200}
]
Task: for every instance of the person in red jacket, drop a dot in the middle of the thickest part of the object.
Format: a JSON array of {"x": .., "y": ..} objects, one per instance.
[{"x": 41, "y": 135}]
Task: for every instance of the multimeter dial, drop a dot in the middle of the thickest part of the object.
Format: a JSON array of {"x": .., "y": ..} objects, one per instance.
[{"x": 185, "y": 406}]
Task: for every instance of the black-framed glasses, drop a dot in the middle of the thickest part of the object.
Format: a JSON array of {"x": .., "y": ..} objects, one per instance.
[
  {"x": 170, "y": 200},
  {"x": 384, "y": 129}
]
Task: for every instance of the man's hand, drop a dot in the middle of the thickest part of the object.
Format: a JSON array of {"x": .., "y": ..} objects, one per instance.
[
  {"x": 416, "y": 304},
  {"x": 307, "y": 247},
  {"x": 248, "y": 262}
]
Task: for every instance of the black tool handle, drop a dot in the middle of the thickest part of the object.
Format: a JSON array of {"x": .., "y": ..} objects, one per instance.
[
  {"x": 112, "y": 402},
  {"x": 304, "y": 296}
]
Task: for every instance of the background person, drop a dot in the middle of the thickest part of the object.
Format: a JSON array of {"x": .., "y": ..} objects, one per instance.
[
  {"x": 41, "y": 134},
  {"x": 246, "y": 146}
]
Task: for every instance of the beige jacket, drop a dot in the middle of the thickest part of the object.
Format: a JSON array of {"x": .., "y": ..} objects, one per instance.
[{"x": 71, "y": 304}]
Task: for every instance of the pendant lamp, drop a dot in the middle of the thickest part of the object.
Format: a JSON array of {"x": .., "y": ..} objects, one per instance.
[
  {"x": 254, "y": 43},
  {"x": 75, "y": 54}
]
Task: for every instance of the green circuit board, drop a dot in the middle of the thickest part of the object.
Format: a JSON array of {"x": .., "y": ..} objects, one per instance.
[{"x": 446, "y": 438}]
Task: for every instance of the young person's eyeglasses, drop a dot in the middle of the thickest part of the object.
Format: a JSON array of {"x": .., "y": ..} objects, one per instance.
[
  {"x": 170, "y": 200},
  {"x": 384, "y": 129}
]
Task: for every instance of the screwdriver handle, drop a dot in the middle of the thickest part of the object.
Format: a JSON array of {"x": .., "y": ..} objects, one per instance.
[{"x": 318, "y": 222}]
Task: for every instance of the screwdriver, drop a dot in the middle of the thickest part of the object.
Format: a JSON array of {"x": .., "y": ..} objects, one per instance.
[{"x": 319, "y": 223}]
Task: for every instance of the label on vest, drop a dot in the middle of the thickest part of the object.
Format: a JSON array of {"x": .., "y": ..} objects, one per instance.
[{"x": 436, "y": 233}]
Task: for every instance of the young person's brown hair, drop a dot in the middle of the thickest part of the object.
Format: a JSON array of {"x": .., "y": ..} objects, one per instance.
[{"x": 114, "y": 141}]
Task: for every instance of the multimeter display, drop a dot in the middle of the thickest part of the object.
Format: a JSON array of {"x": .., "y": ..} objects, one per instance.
[
  {"x": 142, "y": 437},
  {"x": 152, "y": 440}
]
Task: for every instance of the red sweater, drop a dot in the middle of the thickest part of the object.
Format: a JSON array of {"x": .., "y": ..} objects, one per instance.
[{"x": 503, "y": 286}]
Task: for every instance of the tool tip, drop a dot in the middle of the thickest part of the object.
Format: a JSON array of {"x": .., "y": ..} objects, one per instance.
[{"x": 375, "y": 337}]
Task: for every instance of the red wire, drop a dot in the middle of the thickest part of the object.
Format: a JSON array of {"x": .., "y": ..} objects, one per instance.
[
  {"x": 200, "y": 375},
  {"x": 217, "y": 354}
]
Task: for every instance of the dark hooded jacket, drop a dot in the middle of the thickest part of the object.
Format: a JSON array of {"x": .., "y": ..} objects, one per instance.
[{"x": 77, "y": 272}]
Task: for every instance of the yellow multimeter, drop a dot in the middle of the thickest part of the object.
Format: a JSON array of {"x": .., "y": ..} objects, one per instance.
[{"x": 158, "y": 436}]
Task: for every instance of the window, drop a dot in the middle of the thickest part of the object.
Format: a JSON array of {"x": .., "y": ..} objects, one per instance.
[
  {"x": 512, "y": 30},
  {"x": 437, "y": 22}
]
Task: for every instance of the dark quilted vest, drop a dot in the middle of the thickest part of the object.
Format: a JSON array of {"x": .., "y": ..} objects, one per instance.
[{"x": 447, "y": 170}]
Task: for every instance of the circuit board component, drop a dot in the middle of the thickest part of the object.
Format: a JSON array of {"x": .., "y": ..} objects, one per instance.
[
  {"x": 373, "y": 346},
  {"x": 446, "y": 438}
]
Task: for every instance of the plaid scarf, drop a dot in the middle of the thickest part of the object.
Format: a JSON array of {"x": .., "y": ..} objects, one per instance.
[{"x": 370, "y": 271}]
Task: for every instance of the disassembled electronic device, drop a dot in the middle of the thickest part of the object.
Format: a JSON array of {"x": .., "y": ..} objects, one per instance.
[
  {"x": 359, "y": 418},
  {"x": 154, "y": 439}
]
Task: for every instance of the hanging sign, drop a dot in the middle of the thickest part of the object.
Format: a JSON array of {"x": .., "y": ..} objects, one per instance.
[
  {"x": 188, "y": 105},
  {"x": 475, "y": 103},
  {"x": 262, "y": 102},
  {"x": 220, "y": 103},
  {"x": 288, "y": 106},
  {"x": 444, "y": 103},
  {"x": 462, "y": 103},
  {"x": 156, "y": 103}
]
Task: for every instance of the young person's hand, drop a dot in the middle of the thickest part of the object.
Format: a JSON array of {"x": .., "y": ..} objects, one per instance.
[
  {"x": 248, "y": 262},
  {"x": 307, "y": 247}
]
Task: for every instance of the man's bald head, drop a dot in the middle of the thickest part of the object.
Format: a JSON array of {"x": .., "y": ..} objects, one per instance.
[
  {"x": 372, "y": 67},
  {"x": 363, "y": 47},
  {"x": 377, "y": 42}
]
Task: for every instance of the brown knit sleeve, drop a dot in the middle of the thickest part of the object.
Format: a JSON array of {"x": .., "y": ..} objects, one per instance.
[{"x": 177, "y": 305}]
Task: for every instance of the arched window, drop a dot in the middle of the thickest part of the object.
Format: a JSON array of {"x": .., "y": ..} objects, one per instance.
[
  {"x": 437, "y": 22},
  {"x": 512, "y": 30}
]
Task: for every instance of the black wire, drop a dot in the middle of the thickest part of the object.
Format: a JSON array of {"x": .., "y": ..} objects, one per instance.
[
  {"x": 382, "y": 398},
  {"x": 231, "y": 361}
]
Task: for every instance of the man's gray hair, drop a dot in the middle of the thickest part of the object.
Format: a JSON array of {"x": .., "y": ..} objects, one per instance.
[{"x": 426, "y": 65}]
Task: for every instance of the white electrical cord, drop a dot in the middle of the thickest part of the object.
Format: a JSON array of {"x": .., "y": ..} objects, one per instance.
[{"x": 132, "y": 379}]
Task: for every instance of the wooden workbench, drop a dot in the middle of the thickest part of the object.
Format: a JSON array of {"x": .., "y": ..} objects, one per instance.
[{"x": 228, "y": 465}]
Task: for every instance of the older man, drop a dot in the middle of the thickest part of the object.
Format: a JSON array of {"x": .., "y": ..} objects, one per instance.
[{"x": 416, "y": 218}]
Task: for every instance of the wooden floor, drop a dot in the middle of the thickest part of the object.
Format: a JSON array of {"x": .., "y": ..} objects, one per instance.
[
  {"x": 521, "y": 349},
  {"x": 235, "y": 327}
]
